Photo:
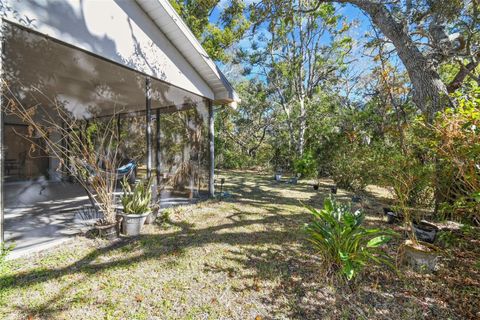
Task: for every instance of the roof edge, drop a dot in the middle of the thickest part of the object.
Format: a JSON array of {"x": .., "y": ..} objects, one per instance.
[{"x": 225, "y": 95}]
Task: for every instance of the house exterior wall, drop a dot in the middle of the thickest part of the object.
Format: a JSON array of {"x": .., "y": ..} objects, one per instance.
[{"x": 118, "y": 30}]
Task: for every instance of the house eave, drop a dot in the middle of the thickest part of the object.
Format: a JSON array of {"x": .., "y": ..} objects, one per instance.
[{"x": 175, "y": 29}]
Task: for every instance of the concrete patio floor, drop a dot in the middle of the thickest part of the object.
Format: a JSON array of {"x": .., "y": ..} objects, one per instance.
[{"x": 40, "y": 214}]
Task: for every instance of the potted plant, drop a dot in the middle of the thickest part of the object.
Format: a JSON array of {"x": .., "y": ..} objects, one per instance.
[
  {"x": 420, "y": 255},
  {"x": 406, "y": 174},
  {"x": 425, "y": 231},
  {"x": 136, "y": 206},
  {"x": 107, "y": 231}
]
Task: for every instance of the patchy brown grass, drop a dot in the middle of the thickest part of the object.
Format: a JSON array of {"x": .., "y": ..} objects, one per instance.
[{"x": 241, "y": 258}]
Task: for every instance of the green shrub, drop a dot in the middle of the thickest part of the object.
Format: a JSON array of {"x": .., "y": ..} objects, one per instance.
[
  {"x": 306, "y": 166},
  {"x": 165, "y": 216},
  {"x": 354, "y": 165},
  {"x": 344, "y": 244},
  {"x": 447, "y": 239},
  {"x": 411, "y": 184},
  {"x": 347, "y": 173},
  {"x": 455, "y": 144}
]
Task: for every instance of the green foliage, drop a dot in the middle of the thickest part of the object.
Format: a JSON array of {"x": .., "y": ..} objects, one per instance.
[
  {"x": 469, "y": 231},
  {"x": 243, "y": 139},
  {"x": 306, "y": 166},
  {"x": 136, "y": 200},
  {"x": 216, "y": 37},
  {"x": 344, "y": 244},
  {"x": 354, "y": 163},
  {"x": 454, "y": 140},
  {"x": 165, "y": 216},
  {"x": 447, "y": 239},
  {"x": 410, "y": 178}
]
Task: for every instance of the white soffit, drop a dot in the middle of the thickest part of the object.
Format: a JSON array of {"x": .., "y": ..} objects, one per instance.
[{"x": 175, "y": 29}]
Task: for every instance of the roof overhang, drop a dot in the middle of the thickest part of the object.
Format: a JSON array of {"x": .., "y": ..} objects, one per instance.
[
  {"x": 85, "y": 84},
  {"x": 175, "y": 29}
]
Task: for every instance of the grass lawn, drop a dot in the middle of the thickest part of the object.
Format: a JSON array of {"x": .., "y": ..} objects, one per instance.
[{"x": 242, "y": 258}]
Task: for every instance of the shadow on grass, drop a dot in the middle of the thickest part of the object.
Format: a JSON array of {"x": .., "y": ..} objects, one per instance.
[
  {"x": 153, "y": 247},
  {"x": 277, "y": 253}
]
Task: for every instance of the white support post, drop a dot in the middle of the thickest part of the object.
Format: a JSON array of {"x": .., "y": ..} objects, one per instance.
[
  {"x": 211, "y": 138},
  {"x": 158, "y": 165},
  {"x": 148, "y": 119}
]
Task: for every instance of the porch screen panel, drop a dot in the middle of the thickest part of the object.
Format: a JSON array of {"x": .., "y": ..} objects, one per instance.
[{"x": 184, "y": 151}]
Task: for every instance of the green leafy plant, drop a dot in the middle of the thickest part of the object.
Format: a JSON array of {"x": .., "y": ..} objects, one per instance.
[
  {"x": 164, "y": 218},
  {"x": 344, "y": 244},
  {"x": 306, "y": 166},
  {"x": 136, "y": 200},
  {"x": 354, "y": 164},
  {"x": 454, "y": 141},
  {"x": 447, "y": 239}
]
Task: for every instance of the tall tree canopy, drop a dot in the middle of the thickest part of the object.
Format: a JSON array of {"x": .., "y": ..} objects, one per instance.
[
  {"x": 425, "y": 34},
  {"x": 218, "y": 36},
  {"x": 299, "y": 55}
]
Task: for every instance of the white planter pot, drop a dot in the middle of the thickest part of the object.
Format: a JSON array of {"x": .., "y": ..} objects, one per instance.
[{"x": 132, "y": 223}]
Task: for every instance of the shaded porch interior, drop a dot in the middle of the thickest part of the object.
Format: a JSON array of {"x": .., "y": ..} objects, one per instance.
[{"x": 40, "y": 202}]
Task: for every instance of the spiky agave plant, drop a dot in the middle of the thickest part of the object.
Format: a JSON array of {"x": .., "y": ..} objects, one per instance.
[
  {"x": 136, "y": 200},
  {"x": 344, "y": 244}
]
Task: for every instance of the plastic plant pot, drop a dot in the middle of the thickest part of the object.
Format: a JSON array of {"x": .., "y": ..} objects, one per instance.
[
  {"x": 132, "y": 223},
  {"x": 425, "y": 232}
]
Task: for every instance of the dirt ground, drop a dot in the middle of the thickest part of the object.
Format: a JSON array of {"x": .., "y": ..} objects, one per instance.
[{"x": 242, "y": 257}]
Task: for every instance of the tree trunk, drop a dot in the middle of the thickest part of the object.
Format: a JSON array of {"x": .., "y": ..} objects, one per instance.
[
  {"x": 291, "y": 133},
  {"x": 429, "y": 92},
  {"x": 302, "y": 128},
  {"x": 303, "y": 118}
]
